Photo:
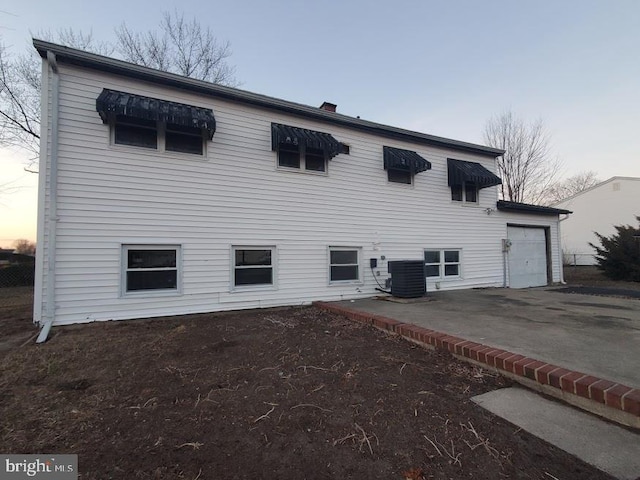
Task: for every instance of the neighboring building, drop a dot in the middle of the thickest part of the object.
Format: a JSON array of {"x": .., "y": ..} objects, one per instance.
[
  {"x": 597, "y": 209},
  {"x": 164, "y": 195}
]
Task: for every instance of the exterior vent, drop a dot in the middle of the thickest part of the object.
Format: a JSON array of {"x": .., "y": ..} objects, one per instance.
[{"x": 407, "y": 278}]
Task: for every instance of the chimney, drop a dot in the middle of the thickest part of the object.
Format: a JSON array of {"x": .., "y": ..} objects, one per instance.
[{"x": 329, "y": 107}]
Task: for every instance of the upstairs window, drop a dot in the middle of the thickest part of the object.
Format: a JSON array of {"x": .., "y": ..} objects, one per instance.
[
  {"x": 400, "y": 176},
  {"x": 304, "y": 150},
  {"x": 135, "y": 132},
  {"x": 467, "y": 192},
  {"x": 157, "y": 136},
  {"x": 466, "y": 179},
  {"x": 183, "y": 139},
  {"x": 295, "y": 156},
  {"x": 402, "y": 165},
  {"x": 156, "y": 124}
]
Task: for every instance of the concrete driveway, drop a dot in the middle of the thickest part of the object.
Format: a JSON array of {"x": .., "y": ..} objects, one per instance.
[{"x": 590, "y": 334}]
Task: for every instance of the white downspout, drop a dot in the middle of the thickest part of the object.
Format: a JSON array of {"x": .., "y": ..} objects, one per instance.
[
  {"x": 53, "y": 201},
  {"x": 560, "y": 250}
]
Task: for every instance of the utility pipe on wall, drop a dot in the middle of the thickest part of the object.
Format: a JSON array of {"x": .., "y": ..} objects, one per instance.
[{"x": 53, "y": 200}]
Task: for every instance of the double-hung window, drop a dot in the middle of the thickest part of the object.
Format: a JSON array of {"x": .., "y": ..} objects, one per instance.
[
  {"x": 442, "y": 263},
  {"x": 253, "y": 266},
  {"x": 151, "y": 268},
  {"x": 344, "y": 265}
]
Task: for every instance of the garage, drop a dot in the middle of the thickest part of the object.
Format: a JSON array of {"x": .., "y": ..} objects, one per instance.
[{"x": 528, "y": 254}]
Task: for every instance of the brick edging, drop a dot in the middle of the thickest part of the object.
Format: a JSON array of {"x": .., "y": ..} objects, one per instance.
[{"x": 605, "y": 392}]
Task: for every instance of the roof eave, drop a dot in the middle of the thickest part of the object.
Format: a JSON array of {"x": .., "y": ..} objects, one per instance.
[
  {"x": 507, "y": 206},
  {"x": 111, "y": 65}
]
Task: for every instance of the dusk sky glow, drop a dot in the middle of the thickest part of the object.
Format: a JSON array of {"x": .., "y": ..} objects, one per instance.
[{"x": 441, "y": 68}]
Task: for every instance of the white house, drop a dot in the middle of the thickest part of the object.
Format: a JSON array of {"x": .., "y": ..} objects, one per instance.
[
  {"x": 163, "y": 195},
  {"x": 598, "y": 209}
]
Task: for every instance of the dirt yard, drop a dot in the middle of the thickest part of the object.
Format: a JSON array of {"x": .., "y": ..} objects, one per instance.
[{"x": 277, "y": 394}]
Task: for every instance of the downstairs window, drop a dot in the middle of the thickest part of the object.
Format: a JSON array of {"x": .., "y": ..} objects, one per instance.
[
  {"x": 151, "y": 267},
  {"x": 442, "y": 263}
]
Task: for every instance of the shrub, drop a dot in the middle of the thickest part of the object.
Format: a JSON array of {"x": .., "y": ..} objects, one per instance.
[{"x": 619, "y": 255}]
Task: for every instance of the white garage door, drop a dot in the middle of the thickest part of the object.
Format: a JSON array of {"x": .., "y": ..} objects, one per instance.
[{"x": 527, "y": 257}]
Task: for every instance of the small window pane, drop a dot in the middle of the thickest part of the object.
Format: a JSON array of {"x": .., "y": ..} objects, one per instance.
[
  {"x": 456, "y": 193},
  {"x": 344, "y": 257},
  {"x": 254, "y": 276},
  {"x": 451, "y": 270},
  {"x": 341, "y": 273},
  {"x": 183, "y": 142},
  {"x": 253, "y": 257},
  {"x": 151, "y": 258},
  {"x": 399, "y": 176},
  {"x": 432, "y": 270},
  {"x": 471, "y": 193},
  {"x": 451, "y": 256},
  {"x": 314, "y": 160},
  {"x": 136, "y": 136},
  {"x": 152, "y": 280},
  {"x": 432, "y": 256},
  {"x": 288, "y": 155}
]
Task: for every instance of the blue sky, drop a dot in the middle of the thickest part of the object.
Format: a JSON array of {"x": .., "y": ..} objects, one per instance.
[{"x": 442, "y": 67}]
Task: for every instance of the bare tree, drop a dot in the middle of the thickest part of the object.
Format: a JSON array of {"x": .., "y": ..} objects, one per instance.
[
  {"x": 181, "y": 46},
  {"x": 19, "y": 103},
  {"x": 24, "y": 247},
  {"x": 527, "y": 168},
  {"x": 20, "y": 90},
  {"x": 571, "y": 186}
]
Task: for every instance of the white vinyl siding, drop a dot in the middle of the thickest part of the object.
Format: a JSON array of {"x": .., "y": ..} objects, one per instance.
[{"x": 234, "y": 195}]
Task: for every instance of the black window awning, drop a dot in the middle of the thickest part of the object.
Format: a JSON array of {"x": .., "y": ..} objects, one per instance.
[
  {"x": 303, "y": 137},
  {"x": 470, "y": 172},
  {"x": 112, "y": 102},
  {"x": 399, "y": 159}
]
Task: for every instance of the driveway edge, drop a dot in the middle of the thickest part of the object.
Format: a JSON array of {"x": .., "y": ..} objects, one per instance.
[{"x": 608, "y": 399}]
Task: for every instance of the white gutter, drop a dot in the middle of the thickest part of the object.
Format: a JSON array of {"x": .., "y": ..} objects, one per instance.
[{"x": 49, "y": 315}]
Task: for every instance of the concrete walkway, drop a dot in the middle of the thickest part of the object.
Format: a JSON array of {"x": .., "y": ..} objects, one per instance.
[
  {"x": 596, "y": 335},
  {"x": 608, "y": 447}
]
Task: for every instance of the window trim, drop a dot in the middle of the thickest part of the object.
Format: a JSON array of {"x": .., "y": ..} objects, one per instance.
[
  {"x": 161, "y": 131},
  {"x": 160, "y": 292},
  {"x": 442, "y": 263},
  {"x": 343, "y": 248},
  {"x": 255, "y": 287},
  {"x": 302, "y": 157}
]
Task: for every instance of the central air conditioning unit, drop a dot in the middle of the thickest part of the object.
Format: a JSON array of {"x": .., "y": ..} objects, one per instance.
[{"x": 408, "y": 278}]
